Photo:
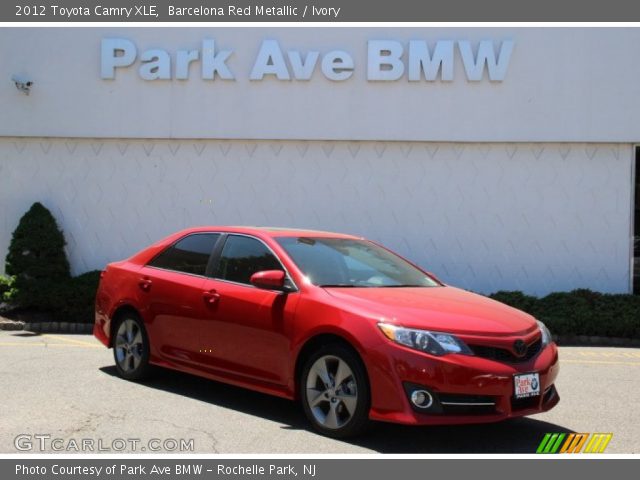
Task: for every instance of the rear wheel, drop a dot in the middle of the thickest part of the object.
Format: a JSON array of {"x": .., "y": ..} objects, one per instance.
[
  {"x": 335, "y": 392},
  {"x": 131, "y": 348}
]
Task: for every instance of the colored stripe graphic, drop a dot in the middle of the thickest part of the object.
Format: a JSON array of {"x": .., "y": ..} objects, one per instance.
[
  {"x": 543, "y": 443},
  {"x": 581, "y": 441},
  {"x": 556, "y": 445},
  {"x": 598, "y": 442},
  {"x": 573, "y": 443},
  {"x": 606, "y": 442},
  {"x": 565, "y": 446},
  {"x": 550, "y": 443}
]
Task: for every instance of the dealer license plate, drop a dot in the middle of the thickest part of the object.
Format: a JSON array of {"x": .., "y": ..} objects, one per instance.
[{"x": 527, "y": 385}]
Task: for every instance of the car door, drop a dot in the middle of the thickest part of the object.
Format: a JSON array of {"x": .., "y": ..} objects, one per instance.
[
  {"x": 248, "y": 327},
  {"x": 173, "y": 284}
]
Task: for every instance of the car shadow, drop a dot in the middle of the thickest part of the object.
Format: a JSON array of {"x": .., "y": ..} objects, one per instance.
[{"x": 521, "y": 435}]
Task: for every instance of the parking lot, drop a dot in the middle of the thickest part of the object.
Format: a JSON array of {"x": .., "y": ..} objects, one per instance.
[{"x": 60, "y": 390}]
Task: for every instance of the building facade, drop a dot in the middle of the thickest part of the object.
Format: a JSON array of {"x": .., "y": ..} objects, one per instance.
[{"x": 497, "y": 158}]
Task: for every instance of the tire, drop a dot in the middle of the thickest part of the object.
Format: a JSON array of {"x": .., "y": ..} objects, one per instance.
[
  {"x": 131, "y": 348},
  {"x": 334, "y": 390}
]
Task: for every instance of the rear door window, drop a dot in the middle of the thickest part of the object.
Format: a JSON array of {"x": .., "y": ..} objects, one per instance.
[{"x": 188, "y": 255}]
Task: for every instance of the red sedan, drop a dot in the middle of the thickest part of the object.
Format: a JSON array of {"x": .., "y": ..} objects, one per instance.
[{"x": 342, "y": 324}]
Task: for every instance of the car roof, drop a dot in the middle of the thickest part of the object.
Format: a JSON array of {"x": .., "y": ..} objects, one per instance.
[{"x": 270, "y": 231}]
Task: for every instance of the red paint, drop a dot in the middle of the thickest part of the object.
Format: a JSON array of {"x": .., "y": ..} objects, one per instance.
[
  {"x": 251, "y": 336},
  {"x": 273, "y": 279}
]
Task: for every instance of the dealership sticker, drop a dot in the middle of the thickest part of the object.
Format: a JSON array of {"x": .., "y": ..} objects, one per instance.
[{"x": 527, "y": 385}]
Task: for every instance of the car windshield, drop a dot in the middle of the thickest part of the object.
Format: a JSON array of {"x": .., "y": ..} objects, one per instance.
[{"x": 341, "y": 262}]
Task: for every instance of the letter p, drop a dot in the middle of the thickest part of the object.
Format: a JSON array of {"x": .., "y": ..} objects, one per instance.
[{"x": 115, "y": 52}]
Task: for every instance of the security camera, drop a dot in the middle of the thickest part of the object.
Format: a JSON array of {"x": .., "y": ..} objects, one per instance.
[{"x": 22, "y": 84}]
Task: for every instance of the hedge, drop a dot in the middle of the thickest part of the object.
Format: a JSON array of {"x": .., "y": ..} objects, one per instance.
[
  {"x": 74, "y": 299},
  {"x": 70, "y": 300},
  {"x": 36, "y": 257},
  {"x": 581, "y": 312},
  {"x": 39, "y": 279}
]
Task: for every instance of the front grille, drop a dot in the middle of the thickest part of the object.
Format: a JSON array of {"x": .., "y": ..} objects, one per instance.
[
  {"x": 456, "y": 404},
  {"x": 506, "y": 356},
  {"x": 524, "y": 403}
]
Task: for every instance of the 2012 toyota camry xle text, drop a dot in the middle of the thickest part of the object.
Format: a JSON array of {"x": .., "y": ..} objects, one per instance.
[{"x": 340, "y": 323}]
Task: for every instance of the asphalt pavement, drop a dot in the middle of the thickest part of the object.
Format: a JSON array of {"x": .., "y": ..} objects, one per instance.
[{"x": 60, "y": 393}]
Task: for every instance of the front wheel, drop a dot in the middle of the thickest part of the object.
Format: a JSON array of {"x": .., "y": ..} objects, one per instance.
[
  {"x": 131, "y": 348},
  {"x": 335, "y": 392}
]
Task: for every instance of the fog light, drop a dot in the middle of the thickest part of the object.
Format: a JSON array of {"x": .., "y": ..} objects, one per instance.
[{"x": 421, "y": 398}]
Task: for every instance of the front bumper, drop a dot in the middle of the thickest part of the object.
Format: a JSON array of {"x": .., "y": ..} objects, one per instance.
[{"x": 394, "y": 371}]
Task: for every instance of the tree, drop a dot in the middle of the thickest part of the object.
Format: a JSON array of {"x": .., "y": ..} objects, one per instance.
[{"x": 36, "y": 257}]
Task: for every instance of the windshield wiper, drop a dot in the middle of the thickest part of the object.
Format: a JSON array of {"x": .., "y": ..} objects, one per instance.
[{"x": 337, "y": 285}]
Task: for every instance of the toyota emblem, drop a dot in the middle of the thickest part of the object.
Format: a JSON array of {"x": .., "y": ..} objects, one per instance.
[{"x": 520, "y": 347}]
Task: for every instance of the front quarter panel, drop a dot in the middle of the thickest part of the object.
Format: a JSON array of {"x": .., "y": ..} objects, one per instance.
[{"x": 320, "y": 314}]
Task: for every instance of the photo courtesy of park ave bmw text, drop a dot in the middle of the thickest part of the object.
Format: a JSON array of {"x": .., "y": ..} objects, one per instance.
[{"x": 268, "y": 239}]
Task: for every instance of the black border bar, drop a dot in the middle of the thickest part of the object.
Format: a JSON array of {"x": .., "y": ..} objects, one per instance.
[{"x": 71, "y": 11}]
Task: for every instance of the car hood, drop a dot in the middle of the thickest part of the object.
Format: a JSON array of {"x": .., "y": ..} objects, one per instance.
[{"x": 445, "y": 309}]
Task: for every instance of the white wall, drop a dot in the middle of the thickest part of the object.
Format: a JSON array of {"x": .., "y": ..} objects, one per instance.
[
  {"x": 520, "y": 184},
  {"x": 562, "y": 85},
  {"x": 534, "y": 217}
]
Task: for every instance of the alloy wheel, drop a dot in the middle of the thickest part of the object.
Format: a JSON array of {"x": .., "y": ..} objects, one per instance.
[
  {"x": 129, "y": 346},
  {"x": 332, "y": 394}
]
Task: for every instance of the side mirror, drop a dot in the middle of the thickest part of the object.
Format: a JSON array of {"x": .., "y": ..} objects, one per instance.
[{"x": 268, "y": 279}]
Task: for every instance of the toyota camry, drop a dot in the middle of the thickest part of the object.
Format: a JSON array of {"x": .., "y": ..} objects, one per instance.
[{"x": 351, "y": 330}]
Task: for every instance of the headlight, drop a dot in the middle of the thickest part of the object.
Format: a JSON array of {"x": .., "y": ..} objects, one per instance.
[
  {"x": 546, "y": 334},
  {"x": 435, "y": 343}
]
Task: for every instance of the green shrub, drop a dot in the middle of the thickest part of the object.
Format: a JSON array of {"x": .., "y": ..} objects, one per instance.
[
  {"x": 36, "y": 258},
  {"x": 74, "y": 299},
  {"x": 40, "y": 279},
  {"x": 7, "y": 288},
  {"x": 581, "y": 312},
  {"x": 515, "y": 299}
]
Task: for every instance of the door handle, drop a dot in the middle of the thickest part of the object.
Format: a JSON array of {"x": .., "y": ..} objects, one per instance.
[
  {"x": 211, "y": 297},
  {"x": 145, "y": 284}
]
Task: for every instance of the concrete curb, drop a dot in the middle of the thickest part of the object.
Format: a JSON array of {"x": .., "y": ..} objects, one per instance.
[
  {"x": 11, "y": 324},
  {"x": 48, "y": 327},
  {"x": 59, "y": 327}
]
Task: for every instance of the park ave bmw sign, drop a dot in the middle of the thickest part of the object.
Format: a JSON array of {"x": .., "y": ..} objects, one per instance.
[{"x": 387, "y": 60}]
